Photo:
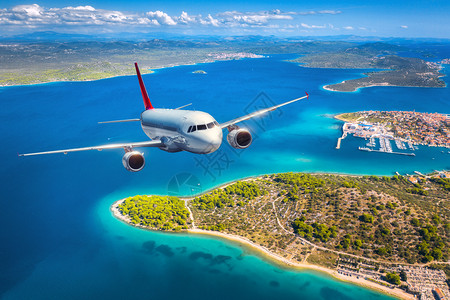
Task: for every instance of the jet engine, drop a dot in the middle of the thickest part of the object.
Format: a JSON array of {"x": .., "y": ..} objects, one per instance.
[
  {"x": 133, "y": 161},
  {"x": 239, "y": 138}
]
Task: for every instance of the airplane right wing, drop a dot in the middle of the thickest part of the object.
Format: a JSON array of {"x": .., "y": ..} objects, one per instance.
[
  {"x": 259, "y": 112},
  {"x": 153, "y": 143}
]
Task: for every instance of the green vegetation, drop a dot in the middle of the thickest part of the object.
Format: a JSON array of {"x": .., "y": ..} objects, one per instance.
[
  {"x": 367, "y": 216},
  {"x": 156, "y": 212},
  {"x": 304, "y": 181},
  {"x": 314, "y": 232},
  {"x": 370, "y": 216},
  {"x": 239, "y": 192},
  {"x": 443, "y": 182},
  {"x": 402, "y": 71},
  {"x": 393, "y": 278}
]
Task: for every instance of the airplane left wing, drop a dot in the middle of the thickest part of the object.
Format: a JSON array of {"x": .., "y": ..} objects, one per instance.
[
  {"x": 259, "y": 112},
  {"x": 153, "y": 143}
]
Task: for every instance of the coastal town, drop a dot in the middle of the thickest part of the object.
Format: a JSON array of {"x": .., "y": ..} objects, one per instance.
[
  {"x": 405, "y": 128},
  {"x": 234, "y": 55}
]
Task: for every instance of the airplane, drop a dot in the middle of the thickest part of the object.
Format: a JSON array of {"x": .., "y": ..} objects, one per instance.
[{"x": 175, "y": 130}]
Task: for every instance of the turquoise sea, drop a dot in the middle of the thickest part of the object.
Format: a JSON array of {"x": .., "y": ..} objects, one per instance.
[{"x": 58, "y": 237}]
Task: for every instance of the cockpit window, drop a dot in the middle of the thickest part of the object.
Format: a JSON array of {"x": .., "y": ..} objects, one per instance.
[{"x": 210, "y": 125}]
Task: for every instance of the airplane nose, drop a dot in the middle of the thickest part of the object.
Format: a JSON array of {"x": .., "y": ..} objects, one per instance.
[{"x": 215, "y": 141}]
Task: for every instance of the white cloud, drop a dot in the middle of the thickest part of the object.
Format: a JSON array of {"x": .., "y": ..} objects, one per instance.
[
  {"x": 80, "y": 15},
  {"x": 184, "y": 18},
  {"x": 320, "y": 12},
  {"x": 33, "y": 11},
  {"x": 236, "y": 18},
  {"x": 313, "y": 26},
  {"x": 37, "y": 16},
  {"x": 404, "y": 26},
  {"x": 161, "y": 17},
  {"x": 348, "y": 28},
  {"x": 212, "y": 21},
  {"x": 330, "y": 12},
  {"x": 87, "y": 7}
]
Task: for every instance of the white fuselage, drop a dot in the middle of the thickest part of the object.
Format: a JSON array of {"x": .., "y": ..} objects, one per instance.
[{"x": 192, "y": 131}]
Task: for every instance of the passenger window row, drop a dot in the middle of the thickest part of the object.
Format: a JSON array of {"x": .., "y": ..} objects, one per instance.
[{"x": 202, "y": 126}]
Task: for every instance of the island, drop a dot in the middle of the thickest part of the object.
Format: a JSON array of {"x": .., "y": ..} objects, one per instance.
[
  {"x": 406, "y": 128},
  {"x": 403, "y": 71},
  {"x": 389, "y": 233},
  {"x": 389, "y": 69},
  {"x": 199, "y": 72}
]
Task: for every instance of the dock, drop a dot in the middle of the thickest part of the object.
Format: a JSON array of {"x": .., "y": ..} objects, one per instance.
[
  {"x": 339, "y": 143},
  {"x": 344, "y": 135},
  {"x": 384, "y": 151}
]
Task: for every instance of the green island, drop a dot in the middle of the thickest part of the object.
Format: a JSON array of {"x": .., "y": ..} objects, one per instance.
[
  {"x": 389, "y": 69},
  {"x": 389, "y": 233},
  {"x": 199, "y": 72}
]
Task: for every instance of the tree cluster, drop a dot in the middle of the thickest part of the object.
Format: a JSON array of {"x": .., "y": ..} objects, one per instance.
[
  {"x": 317, "y": 231},
  {"x": 239, "y": 192},
  {"x": 165, "y": 213}
]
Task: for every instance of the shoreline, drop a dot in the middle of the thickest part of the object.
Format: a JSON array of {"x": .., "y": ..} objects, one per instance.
[
  {"x": 327, "y": 88},
  {"x": 151, "y": 71},
  {"x": 272, "y": 257}
]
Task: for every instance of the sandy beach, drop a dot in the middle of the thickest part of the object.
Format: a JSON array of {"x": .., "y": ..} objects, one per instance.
[{"x": 275, "y": 257}]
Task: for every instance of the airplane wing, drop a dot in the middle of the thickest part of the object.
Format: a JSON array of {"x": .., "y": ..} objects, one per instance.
[
  {"x": 259, "y": 112},
  {"x": 153, "y": 143}
]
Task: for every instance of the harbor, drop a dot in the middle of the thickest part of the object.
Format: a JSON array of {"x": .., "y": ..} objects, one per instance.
[{"x": 377, "y": 135}]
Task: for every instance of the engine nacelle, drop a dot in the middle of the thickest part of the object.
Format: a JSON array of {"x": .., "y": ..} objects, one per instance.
[
  {"x": 133, "y": 161},
  {"x": 239, "y": 138}
]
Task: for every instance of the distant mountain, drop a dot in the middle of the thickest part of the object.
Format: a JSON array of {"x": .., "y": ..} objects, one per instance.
[{"x": 49, "y": 36}]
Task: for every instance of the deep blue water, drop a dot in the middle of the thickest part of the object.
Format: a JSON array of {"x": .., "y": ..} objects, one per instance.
[{"x": 59, "y": 240}]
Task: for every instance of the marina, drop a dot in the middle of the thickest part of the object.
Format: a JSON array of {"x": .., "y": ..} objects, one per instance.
[{"x": 374, "y": 132}]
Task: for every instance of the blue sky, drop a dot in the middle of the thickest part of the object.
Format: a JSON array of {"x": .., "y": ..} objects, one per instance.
[{"x": 283, "y": 18}]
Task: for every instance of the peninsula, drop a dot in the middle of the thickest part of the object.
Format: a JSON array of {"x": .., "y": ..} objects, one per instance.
[
  {"x": 389, "y": 69},
  {"x": 402, "y": 71},
  {"x": 387, "y": 233}
]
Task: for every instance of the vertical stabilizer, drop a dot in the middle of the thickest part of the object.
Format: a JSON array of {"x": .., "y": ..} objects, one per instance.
[{"x": 147, "y": 103}]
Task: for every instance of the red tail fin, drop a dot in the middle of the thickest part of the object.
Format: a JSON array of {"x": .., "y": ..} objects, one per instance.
[{"x": 147, "y": 103}]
